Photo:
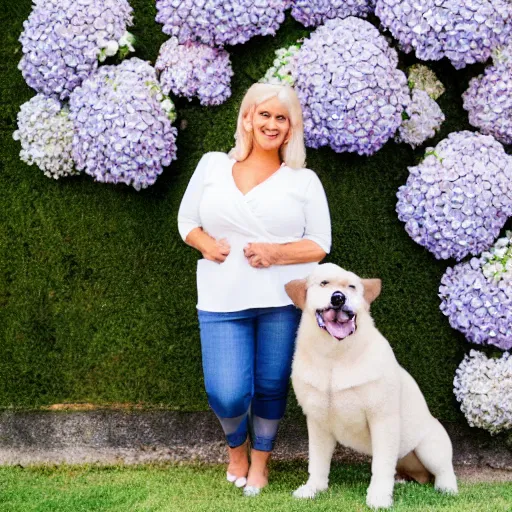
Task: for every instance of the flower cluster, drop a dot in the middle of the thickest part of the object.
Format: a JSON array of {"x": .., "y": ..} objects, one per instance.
[
  {"x": 349, "y": 86},
  {"x": 123, "y": 131},
  {"x": 283, "y": 70},
  {"x": 220, "y": 22},
  {"x": 464, "y": 31},
  {"x": 502, "y": 55},
  {"x": 62, "y": 40},
  {"x": 484, "y": 388},
  {"x": 497, "y": 263},
  {"x": 313, "y": 13},
  {"x": 423, "y": 118},
  {"x": 456, "y": 201},
  {"x": 488, "y": 99},
  {"x": 423, "y": 78},
  {"x": 46, "y": 134},
  {"x": 195, "y": 69},
  {"x": 478, "y": 306}
]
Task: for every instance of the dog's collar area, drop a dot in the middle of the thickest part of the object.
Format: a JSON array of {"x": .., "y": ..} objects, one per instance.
[{"x": 338, "y": 322}]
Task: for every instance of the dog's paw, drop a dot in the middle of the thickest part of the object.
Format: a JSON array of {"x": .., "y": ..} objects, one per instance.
[
  {"x": 306, "y": 491},
  {"x": 378, "y": 497},
  {"x": 447, "y": 484}
]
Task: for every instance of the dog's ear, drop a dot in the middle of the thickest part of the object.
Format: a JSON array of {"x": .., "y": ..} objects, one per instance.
[
  {"x": 296, "y": 290},
  {"x": 372, "y": 288}
]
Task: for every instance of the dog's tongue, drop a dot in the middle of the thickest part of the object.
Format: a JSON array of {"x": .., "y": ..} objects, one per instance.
[{"x": 340, "y": 330}]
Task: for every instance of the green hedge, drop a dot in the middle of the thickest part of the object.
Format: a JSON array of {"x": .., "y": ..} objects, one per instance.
[{"x": 97, "y": 290}]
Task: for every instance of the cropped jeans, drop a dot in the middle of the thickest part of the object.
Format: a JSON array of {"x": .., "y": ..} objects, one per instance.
[{"x": 247, "y": 359}]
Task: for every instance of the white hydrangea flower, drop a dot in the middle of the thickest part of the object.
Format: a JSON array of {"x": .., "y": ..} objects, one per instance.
[
  {"x": 284, "y": 67},
  {"x": 423, "y": 78},
  {"x": 484, "y": 388},
  {"x": 110, "y": 48},
  {"x": 497, "y": 262},
  {"x": 46, "y": 135},
  {"x": 424, "y": 119}
]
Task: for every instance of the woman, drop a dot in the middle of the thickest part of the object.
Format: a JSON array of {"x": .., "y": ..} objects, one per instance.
[{"x": 260, "y": 220}]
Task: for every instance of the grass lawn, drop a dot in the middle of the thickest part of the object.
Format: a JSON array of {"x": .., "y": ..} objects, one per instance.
[{"x": 203, "y": 488}]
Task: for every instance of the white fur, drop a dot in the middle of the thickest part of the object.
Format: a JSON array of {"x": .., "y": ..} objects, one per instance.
[{"x": 354, "y": 392}]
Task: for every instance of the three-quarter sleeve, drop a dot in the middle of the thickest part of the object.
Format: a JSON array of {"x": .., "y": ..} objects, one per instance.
[
  {"x": 188, "y": 213},
  {"x": 316, "y": 210}
]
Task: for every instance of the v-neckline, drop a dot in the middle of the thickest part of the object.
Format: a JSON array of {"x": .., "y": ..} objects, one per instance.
[{"x": 255, "y": 186}]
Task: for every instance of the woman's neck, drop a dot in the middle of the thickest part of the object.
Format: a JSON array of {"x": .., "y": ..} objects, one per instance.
[{"x": 266, "y": 159}]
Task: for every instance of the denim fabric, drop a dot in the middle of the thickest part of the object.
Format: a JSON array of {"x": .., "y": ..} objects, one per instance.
[{"x": 247, "y": 363}]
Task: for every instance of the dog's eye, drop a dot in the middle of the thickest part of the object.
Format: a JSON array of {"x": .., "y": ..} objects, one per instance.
[
  {"x": 323, "y": 283},
  {"x": 352, "y": 286}
]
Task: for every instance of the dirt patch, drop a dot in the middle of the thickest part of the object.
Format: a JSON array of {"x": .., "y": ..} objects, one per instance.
[
  {"x": 474, "y": 475},
  {"x": 86, "y": 406},
  {"x": 128, "y": 433}
]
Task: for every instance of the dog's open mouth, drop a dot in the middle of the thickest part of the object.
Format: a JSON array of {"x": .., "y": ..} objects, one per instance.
[{"x": 337, "y": 322}]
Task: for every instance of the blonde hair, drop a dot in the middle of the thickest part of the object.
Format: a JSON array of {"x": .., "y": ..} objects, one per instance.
[{"x": 293, "y": 153}]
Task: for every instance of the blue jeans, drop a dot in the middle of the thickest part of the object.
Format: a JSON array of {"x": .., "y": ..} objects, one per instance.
[{"x": 247, "y": 359}]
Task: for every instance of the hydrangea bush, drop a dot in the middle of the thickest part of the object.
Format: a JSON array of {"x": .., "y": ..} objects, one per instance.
[
  {"x": 63, "y": 39},
  {"x": 423, "y": 119},
  {"x": 46, "y": 134},
  {"x": 312, "y": 13},
  {"x": 220, "y": 22},
  {"x": 349, "y": 86},
  {"x": 464, "y": 31},
  {"x": 456, "y": 201},
  {"x": 195, "y": 69},
  {"x": 476, "y": 296},
  {"x": 484, "y": 388},
  {"x": 123, "y": 131},
  {"x": 488, "y": 99}
]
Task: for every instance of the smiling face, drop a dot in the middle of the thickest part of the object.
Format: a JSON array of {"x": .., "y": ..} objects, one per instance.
[
  {"x": 270, "y": 124},
  {"x": 337, "y": 296}
]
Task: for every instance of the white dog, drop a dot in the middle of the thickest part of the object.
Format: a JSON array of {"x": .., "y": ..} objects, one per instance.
[{"x": 352, "y": 390}]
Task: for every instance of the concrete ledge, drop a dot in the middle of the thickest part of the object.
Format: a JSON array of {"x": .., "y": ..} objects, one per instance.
[{"x": 131, "y": 437}]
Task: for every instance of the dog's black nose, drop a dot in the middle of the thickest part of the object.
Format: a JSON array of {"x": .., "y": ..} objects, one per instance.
[{"x": 337, "y": 299}]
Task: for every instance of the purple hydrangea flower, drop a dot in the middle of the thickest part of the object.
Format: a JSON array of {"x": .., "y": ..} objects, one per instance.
[
  {"x": 195, "y": 69},
  {"x": 488, "y": 100},
  {"x": 484, "y": 388},
  {"x": 46, "y": 134},
  {"x": 464, "y": 31},
  {"x": 456, "y": 201},
  {"x": 313, "y": 13},
  {"x": 349, "y": 86},
  {"x": 123, "y": 132},
  {"x": 220, "y": 22},
  {"x": 477, "y": 304},
  {"x": 62, "y": 40}
]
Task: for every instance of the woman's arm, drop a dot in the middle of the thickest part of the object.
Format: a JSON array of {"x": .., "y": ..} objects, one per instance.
[
  {"x": 189, "y": 221},
  {"x": 262, "y": 255}
]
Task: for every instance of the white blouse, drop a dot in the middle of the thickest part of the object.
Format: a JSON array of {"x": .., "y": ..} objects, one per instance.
[{"x": 288, "y": 206}]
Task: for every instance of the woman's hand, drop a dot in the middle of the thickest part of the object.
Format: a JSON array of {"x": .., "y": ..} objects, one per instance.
[
  {"x": 260, "y": 255},
  {"x": 209, "y": 247},
  {"x": 215, "y": 250}
]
